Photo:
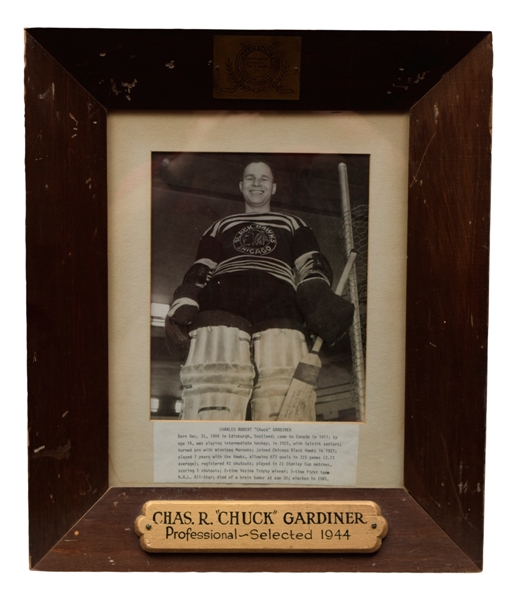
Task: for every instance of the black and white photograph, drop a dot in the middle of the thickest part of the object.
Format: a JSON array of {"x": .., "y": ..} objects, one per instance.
[{"x": 259, "y": 286}]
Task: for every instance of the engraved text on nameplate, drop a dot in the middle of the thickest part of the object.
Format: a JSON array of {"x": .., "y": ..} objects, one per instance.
[{"x": 260, "y": 526}]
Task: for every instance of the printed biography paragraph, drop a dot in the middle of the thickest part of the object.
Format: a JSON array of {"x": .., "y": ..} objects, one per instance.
[{"x": 279, "y": 454}]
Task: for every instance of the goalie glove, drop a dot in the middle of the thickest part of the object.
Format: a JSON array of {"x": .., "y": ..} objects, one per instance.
[
  {"x": 326, "y": 314},
  {"x": 182, "y": 312},
  {"x": 185, "y": 307}
]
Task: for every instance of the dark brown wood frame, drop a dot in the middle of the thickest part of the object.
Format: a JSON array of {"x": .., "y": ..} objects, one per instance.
[{"x": 74, "y": 77}]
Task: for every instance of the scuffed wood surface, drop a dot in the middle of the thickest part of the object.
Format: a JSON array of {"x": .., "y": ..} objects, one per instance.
[
  {"x": 66, "y": 299},
  {"x": 72, "y": 77},
  {"x": 173, "y": 69},
  {"x": 447, "y": 299},
  {"x": 104, "y": 540}
]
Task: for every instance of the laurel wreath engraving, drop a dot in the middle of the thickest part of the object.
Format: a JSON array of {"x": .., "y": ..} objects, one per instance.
[{"x": 276, "y": 83}]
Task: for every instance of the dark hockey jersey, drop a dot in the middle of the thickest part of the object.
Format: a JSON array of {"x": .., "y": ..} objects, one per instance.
[
  {"x": 275, "y": 243},
  {"x": 251, "y": 264}
]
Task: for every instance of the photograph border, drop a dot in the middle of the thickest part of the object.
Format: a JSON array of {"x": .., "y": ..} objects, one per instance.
[
  {"x": 181, "y": 204},
  {"x": 436, "y": 520}
]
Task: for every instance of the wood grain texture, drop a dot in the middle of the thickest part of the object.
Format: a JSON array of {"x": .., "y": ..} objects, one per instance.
[
  {"x": 72, "y": 77},
  {"x": 104, "y": 540},
  {"x": 340, "y": 70},
  {"x": 447, "y": 300},
  {"x": 66, "y": 299}
]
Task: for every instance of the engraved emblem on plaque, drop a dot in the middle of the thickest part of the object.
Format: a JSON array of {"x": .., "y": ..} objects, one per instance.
[{"x": 256, "y": 67}]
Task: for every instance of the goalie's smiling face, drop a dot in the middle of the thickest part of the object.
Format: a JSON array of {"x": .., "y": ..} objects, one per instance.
[{"x": 257, "y": 187}]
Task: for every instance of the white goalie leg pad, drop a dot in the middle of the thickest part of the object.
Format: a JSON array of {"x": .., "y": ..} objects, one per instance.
[
  {"x": 218, "y": 375},
  {"x": 277, "y": 353}
]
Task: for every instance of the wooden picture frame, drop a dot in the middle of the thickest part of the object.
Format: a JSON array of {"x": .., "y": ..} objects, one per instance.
[{"x": 444, "y": 80}]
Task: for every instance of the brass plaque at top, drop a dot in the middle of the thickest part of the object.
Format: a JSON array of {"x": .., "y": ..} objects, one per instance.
[
  {"x": 260, "y": 526},
  {"x": 256, "y": 67}
]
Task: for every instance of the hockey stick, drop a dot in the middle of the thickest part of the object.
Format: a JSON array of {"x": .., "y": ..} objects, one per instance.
[
  {"x": 299, "y": 393},
  {"x": 355, "y": 332}
]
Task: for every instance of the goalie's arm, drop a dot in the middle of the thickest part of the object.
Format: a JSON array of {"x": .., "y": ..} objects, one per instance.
[
  {"x": 326, "y": 313},
  {"x": 184, "y": 307}
]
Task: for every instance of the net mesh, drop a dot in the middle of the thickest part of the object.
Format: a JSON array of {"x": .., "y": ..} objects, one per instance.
[{"x": 355, "y": 231}]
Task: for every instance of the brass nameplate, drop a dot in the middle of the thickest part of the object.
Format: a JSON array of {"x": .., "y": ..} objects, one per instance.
[
  {"x": 242, "y": 526},
  {"x": 256, "y": 67}
]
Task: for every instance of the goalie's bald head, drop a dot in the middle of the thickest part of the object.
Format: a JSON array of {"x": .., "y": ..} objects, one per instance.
[{"x": 257, "y": 187}]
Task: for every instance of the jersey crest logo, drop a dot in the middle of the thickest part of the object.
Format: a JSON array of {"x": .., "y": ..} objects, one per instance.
[{"x": 255, "y": 239}]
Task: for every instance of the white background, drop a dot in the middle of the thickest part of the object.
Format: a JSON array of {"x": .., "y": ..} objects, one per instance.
[{"x": 276, "y": 14}]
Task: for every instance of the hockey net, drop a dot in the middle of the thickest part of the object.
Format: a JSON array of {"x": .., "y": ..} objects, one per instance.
[{"x": 354, "y": 234}]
